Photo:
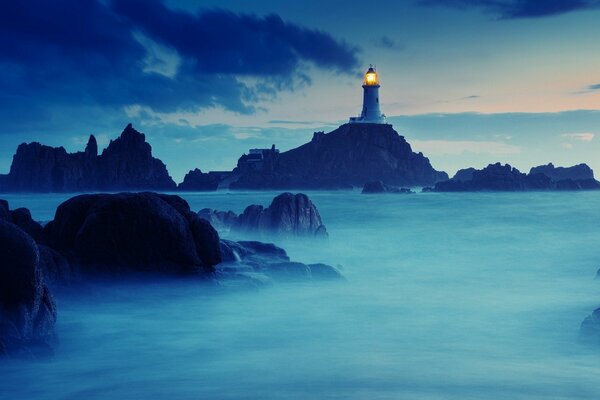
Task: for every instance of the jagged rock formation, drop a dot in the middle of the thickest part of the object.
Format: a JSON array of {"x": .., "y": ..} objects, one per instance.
[
  {"x": 288, "y": 215},
  {"x": 348, "y": 156},
  {"x": 380, "y": 187},
  {"x": 576, "y": 172},
  {"x": 196, "y": 180},
  {"x": 116, "y": 234},
  {"x": 498, "y": 177},
  {"x": 126, "y": 164},
  {"x": 27, "y": 309}
]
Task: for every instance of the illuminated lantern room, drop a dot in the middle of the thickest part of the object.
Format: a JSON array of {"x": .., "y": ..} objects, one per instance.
[
  {"x": 371, "y": 78},
  {"x": 371, "y": 113}
]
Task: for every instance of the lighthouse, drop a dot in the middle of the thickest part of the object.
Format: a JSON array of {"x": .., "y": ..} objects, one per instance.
[{"x": 371, "y": 113}]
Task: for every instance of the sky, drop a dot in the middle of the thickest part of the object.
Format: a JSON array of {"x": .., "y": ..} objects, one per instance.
[{"x": 467, "y": 83}]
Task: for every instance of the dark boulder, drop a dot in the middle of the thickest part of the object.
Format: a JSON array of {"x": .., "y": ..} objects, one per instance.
[
  {"x": 196, "y": 180},
  {"x": 27, "y": 309},
  {"x": 288, "y": 215},
  {"x": 379, "y": 187},
  {"x": 22, "y": 218},
  {"x": 133, "y": 232}
]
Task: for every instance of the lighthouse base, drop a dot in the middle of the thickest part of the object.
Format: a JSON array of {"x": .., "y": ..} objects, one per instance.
[{"x": 363, "y": 120}]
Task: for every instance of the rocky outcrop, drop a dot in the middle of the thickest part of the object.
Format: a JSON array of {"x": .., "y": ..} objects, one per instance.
[
  {"x": 575, "y": 173},
  {"x": 348, "y": 156},
  {"x": 464, "y": 175},
  {"x": 380, "y": 187},
  {"x": 251, "y": 263},
  {"x": 126, "y": 164},
  {"x": 27, "y": 309},
  {"x": 288, "y": 215},
  {"x": 117, "y": 234},
  {"x": 196, "y": 180},
  {"x": 498, "y": 177}
]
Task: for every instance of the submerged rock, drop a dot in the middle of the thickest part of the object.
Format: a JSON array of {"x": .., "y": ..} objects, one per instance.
[
  {"x": 590, "y": 327},
  {"x": 27, "y": 309},
  {"x": 254, "y": 259},
  {"x": 380, "y": 187},
  {"x": 133, "y": 232}
]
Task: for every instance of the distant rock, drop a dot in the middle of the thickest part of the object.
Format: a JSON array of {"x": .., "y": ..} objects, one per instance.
[
  {"x": 348, "y": 156},
  {"x": 196, "y": 180},
  {"x": 27, "y": 309},
  {"x": 126, "y": 164},
  {"x": 380, "y": 187},
  {"x": 464, "y": 175},
  {"x": 574, "y": 173},
  {"x": 117, "y": 234},
  {"x": 288, "y": 215},
  {"x": 498, "y": 177}
]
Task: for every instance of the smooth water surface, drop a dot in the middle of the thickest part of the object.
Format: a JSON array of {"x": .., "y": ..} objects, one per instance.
[{"x": 449, "y": 296}]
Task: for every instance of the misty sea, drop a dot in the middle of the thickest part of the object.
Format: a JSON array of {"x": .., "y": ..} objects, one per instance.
[{"x": 448, "y": 296}]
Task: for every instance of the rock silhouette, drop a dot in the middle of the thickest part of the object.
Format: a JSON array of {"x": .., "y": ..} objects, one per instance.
[
  {"x": 126, "y": 164},
  {"x": 348, "y": 156}
]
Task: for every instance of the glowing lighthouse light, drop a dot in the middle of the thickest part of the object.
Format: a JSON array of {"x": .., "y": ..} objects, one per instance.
[{"x": 371, "y": 113}]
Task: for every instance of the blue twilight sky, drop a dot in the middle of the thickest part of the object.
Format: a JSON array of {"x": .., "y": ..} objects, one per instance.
[{"x": 466, "y": 82}]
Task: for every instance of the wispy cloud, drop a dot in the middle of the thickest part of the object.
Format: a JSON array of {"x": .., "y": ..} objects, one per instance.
[{"x": 582, "y": 136}]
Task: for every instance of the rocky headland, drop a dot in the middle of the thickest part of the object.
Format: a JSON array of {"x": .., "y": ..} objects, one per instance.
[{"x": 347, "y": 157}]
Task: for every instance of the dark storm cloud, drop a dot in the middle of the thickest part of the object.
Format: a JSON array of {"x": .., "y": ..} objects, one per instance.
[
  {"x": 89, "y": 53},
  {"x": 512, "y": 9}
]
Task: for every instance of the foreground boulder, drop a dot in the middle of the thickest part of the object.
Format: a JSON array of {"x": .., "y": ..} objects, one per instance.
[
  {"x": 133, "y": 232},
  {"x": 380, "y": 187},
  {"x": 27, "y": 309}
]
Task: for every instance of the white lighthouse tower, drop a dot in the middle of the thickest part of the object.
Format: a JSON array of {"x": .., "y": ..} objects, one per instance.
[{"x": 371, "y": 113}]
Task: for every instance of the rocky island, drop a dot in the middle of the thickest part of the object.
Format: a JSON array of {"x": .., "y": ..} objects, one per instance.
[{"x": 498, "y": 177}]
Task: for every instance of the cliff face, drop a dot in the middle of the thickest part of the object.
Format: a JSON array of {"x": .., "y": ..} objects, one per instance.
[
  {"x": 348, "y": 156},
  {"x": 127, "y": 163}
]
